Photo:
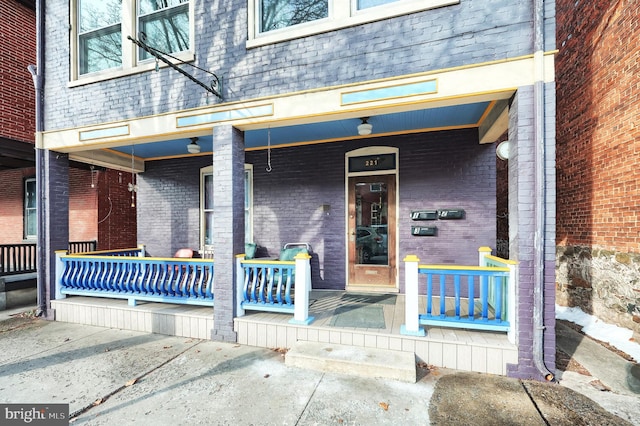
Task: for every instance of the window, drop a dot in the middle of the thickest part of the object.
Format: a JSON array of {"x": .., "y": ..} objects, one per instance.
[
  {"x": 206, "y": 205},
  {"x": 272, "y": 21},
  {"x": 276, "y": 14},
  {"x": 30, "y": 215},
  {"x": 101, "y": 48},
  {"x": 100, "y": 35},
  {"x": 165, "y": 24},
  {"x": 364, "y": 4}
]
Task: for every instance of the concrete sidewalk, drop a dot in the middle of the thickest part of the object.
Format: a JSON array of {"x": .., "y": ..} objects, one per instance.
[{"x": 110, "y": 376}]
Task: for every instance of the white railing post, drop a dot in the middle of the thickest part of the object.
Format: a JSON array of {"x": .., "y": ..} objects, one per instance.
[
  {"x": 143, "y": 250},
  {"x": 302, "y": 290},
  {"x": 411, "y": 324},
  {"x": 239, "y": 286},
  {"x": 482, "y": 253},
  {"x": 59, "y": 273},
  {"x": 511, "y": 301}
]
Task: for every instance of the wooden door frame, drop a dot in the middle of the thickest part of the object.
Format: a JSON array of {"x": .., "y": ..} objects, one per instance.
[{"x": 392, "y": 249}]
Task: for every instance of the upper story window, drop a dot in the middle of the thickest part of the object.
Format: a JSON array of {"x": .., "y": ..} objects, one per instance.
[
  {"x": 364, "y": 4},
  {"x": 165, "y": 24},
  {"x": 271, "y": 21},
  {"x": 276, "y": 14},
  {"x": 101, "y": 49}
]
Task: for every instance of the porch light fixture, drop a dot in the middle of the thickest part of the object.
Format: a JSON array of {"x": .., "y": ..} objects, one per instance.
[
  {"x": 193, "y": 147},
  {"x": 502, "y": 150},
  {"x": 364, "y": 128}
]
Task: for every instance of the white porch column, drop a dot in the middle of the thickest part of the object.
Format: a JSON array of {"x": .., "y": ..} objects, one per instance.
[
  {"x": 302, "y": 289},
  {"x": 482, "y": 252},
  {"x": 411, "y": 324}
]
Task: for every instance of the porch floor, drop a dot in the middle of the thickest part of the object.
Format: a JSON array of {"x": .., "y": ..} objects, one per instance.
[{"x": 371, "y": 321}]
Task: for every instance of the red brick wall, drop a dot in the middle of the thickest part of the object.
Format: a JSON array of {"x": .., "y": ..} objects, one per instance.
[
  {"x": 83, "y": 206},
  {"x": 17, "y": 51},
  {"x": 598, "y": 124},
  {"x": 116, "y": 218},
  {"x": 12, "y": 204}
]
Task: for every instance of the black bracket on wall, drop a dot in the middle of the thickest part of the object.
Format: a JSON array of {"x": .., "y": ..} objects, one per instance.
[{"x": 216, "y": 83}]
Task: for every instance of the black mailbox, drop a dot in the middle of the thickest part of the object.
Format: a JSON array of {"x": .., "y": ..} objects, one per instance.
[
  {"x": 423, "y": 231},
  {"x": 424, "y": 215},
  {"x": 451, "y": 214}
]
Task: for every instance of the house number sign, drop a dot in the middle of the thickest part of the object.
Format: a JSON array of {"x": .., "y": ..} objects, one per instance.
[{"x": 376, "y": 162}]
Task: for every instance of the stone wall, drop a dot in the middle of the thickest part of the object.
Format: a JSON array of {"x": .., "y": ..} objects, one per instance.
[{"x": 601, "y": 282}]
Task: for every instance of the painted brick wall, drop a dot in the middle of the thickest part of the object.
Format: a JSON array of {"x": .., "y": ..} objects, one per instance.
[
  {"x": 168, "y": 205},
  {"x": 17, "y": 51},
  {"x": 437, "y": 170},
  {"x": 467, "y": 33},
  {"x": 523, "y": 232},
  {"x": 598, "y": 144}
]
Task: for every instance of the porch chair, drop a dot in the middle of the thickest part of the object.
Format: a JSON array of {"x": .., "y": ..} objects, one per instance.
[{"x": 290, "y": 250}]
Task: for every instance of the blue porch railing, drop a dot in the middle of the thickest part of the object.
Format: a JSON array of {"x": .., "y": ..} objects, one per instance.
[
  {"x": 125, "y": 275},
  {"x": 275, "y": 286},
  {"x": 472, "y": 297}
]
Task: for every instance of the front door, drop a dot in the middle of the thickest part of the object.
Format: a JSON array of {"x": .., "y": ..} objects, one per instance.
[{"x": 371, "y": 228}]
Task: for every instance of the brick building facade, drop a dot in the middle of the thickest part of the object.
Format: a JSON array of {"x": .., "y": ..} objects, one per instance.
[
  {"x": 278, "y": 135},
  {"x": 598, "y": 238}
]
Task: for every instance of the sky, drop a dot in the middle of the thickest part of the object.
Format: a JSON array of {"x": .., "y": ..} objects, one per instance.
[{"x": 619, "y": 337}]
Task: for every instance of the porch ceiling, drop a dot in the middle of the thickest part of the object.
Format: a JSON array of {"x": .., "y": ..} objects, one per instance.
[{"x": 471, "y": 115}]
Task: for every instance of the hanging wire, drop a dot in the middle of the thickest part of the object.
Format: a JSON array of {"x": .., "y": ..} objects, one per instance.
[
  {"x": 133, "y": 188},
  {"x": 269, "y": 151}
]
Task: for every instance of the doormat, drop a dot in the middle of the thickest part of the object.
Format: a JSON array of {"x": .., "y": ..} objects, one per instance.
[
  {"x": 365, "y": 316},
  {"x": 382, "y": 299}
]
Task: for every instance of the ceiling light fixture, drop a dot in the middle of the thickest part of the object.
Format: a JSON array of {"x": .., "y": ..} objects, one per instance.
[
  {"x": 364, "y": 128},
  {"x": 193, "y": 147}
]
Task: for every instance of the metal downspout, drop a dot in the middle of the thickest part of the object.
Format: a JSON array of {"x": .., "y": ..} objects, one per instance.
[
  {"x": 540, "y": 192},
  {"x": 37, "y": 72}
]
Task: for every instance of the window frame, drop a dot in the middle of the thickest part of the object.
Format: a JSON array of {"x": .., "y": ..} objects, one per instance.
[
  {"x": 248, "y": 205},
  {"x": 26, "y": 209},
  {"x": 342, "y": 14},
  {"x": 130, "y": 62}
]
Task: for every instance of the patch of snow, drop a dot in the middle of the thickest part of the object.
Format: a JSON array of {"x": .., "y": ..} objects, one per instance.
[{"x": 618, "y": 337}]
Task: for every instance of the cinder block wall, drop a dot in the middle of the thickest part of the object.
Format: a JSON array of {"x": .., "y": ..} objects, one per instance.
[{"x": 598, "y": 135}]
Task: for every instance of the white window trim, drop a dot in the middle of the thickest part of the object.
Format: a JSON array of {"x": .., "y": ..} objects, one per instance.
[
  {"x": 248, "y": 210},
  {"x": 342, "y": 14},
  {"x": 130, "y": 63},
  {"x": 24, "y": 210}
]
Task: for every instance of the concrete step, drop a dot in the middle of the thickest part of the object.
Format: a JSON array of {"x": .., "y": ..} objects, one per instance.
[{"x": 358, "y": 361}]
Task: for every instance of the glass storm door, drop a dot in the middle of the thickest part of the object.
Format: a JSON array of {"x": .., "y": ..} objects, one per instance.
[{"x": 371, "y": 228}]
